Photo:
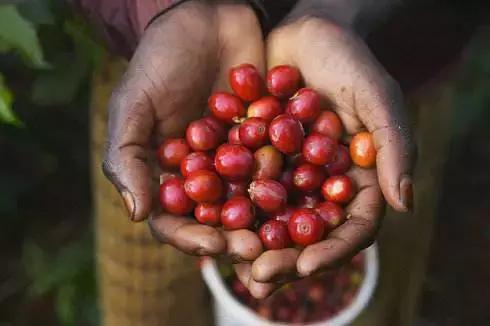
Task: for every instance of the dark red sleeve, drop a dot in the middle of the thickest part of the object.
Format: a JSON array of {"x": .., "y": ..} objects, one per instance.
[{"x": 122, "y": 22}]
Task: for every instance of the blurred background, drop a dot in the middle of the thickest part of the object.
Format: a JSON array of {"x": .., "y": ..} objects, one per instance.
[{"x": 47, "y": 275}]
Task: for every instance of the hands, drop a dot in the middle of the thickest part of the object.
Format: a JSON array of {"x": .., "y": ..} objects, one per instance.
[
  {"x": 187, "y": 53},
  {"x": 337, "y": 63},
  {"x": 183, "y": 56}
]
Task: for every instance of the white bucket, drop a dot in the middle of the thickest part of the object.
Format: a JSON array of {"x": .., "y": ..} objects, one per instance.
[{"x": 228, "y": 311}]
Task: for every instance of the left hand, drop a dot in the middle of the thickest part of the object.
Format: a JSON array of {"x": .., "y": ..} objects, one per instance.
[{"x": 336, "y": 62}]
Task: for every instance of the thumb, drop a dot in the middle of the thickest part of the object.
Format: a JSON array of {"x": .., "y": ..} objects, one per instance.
[
  {"x": 385, "y": 118},
  {"x": 125, "y": 161}
]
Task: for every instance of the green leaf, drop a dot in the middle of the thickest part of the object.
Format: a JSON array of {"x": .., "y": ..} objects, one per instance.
[
  {"x": 65, "y": 304},
  {"x": 6, "y": 99},
  {"x": 60, "y": 85},
  {"x": 37, "y": 11},
  {"x": 18, "y": 34}
]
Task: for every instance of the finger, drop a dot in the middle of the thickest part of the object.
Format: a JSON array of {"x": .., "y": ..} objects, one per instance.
[
  {"x": 364, "y": 218},
  {"x": 250, "y": 48},
  {"x": 126, "y": 155},
  {"x": 275, "y": 265},
  {"x": 242, "y": 245},
  {"x": 257, "y": 290},
  {"x": 382, "y": 111},
  {"x": 187, "y": 235}
]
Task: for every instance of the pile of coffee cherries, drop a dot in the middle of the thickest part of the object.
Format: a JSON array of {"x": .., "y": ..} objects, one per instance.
[
  {"x": 312, "y": 299},
  {"x": 275, "y": 163}
]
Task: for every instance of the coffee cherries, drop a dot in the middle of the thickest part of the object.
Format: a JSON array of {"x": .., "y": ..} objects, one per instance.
[{"x": 271, "y": 163}]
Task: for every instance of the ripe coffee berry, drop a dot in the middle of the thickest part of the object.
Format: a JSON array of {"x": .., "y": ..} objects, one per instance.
[
  {"x": 341, "y": 163},
  {"x": 266, "y": 108},
  {"x": 274, "y": 235},
  {"x": 173, "y": 197},
  {"x": 304, "y": 105},
  {"x": 319, "y": 149},
  {"x": 328, "y": 124},
  {"x": 218, "y": 126},
  {"x": 246, "y": 82},
  {"x": 308, "y": 200},
  {"x": 234, "y": 135},
  {"x": 235, "y": 188},
  {"x": 338, "y": 188},
  {"x": 286, "y": 179},
  {"x": 203, "y": 186},
  {"x": 283, "y": 215},
  {"x": 226, "y": 107},
  {"x": 171, "y": 152},
  {"x": 196, "y": 161},
  {"x": 332, "y": 214},
  {"x": 362, "y": 150},
  {"x": 202, "y": 135},
  {"x": 306, "y": 227},
  {"x": 253, "y": 132},
  {"x": 269, "y": 195},
  {"x": 308, "y": 177},
  {"x": 238, "y": 213},
  {"x": 234, "y": 162},
  {"x": 208, "y": 213},
  {"x": 286, "y": 134},
  {"x": 268, "y": 163},
  {"x": 283, "y": 81}
]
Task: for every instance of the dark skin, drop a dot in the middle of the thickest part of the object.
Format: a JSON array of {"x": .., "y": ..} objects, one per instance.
[{"x": 185, "y": 54}]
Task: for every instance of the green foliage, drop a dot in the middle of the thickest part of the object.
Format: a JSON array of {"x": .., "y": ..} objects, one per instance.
[
  {"x": 69, "y": 275},
  {"x": 18, "y": 34},
  {"x": 6, "y": 114}
]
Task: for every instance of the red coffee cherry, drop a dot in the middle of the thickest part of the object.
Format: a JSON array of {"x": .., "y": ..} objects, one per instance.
[
  {"x": 208, "y": 213},
  {"x": 283, "y": 215},
  {"x": 283, "y": 81},
  {"x": 171, "y": 152},
  {"x": 268, "y": 195},
  {"x": 246, "y": 82},
  {"x": 266, "y": 108},
  {"x": 268, "y": 163},
  {"x": 341, "y": 163},
  {"x": 308, "y": 177},
  {"x": 226, "y": 107},
  {"x": 196, "y": 161},
  {"x": 234, "y": 162},
  {"x": 319, "y": 149},
  {"x": 236, "y": 188},
  {"x": 332, "y": 214},
  {"x": 218, "y": 126},
  {"x": 286, "y": 179},
  {"x": 202, "y": 135},
  {"x": 306, "y": 227},
  {"x": 234, "y": 135},
  {"x": 203, "y": 186},
  {"x": 237, "y": 213},
  {"x": 286, "y": 134},
  {"x": 338, "y": 188},
  {"x": 304, "y": 105},
  {"x": 328, "y": 123},
  {"x": 253, "y": 132},
  {"x": 274, "y": 235},
  {"x": 173, "y": 197},
  {"x": 362, "y": 150}
]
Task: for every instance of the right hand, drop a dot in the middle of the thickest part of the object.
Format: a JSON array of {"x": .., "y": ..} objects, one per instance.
[{"x": 182, "y": 57}]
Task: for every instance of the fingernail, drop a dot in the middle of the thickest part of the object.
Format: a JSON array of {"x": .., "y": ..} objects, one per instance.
[
  {"x": 128, "y": 203},
  {"x": 406, "y": 193}
]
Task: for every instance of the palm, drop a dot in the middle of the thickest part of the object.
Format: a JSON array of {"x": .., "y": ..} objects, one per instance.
[
  {"x": 337, "y": 63},
  {"x": 182, "y": 57}
]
